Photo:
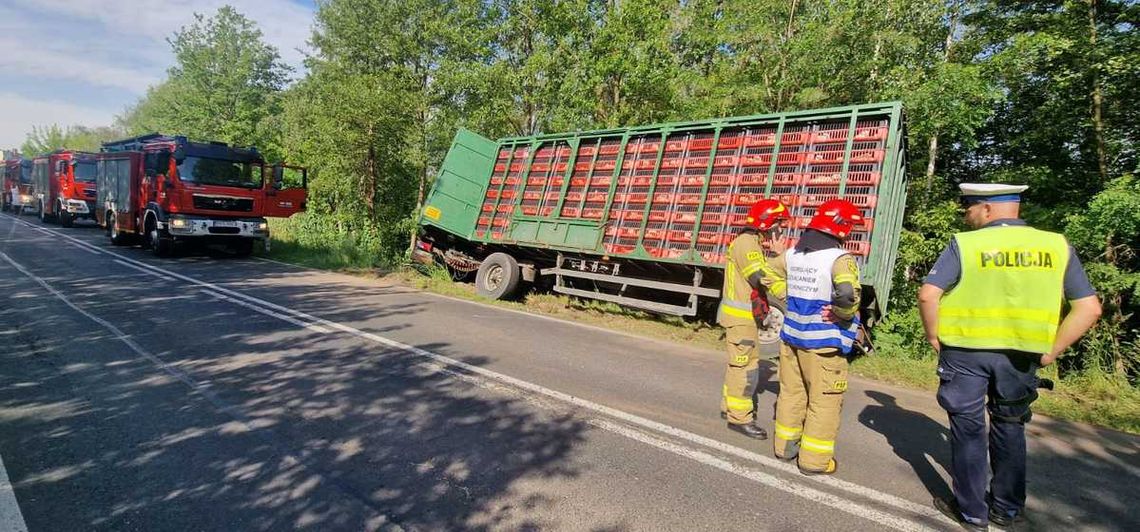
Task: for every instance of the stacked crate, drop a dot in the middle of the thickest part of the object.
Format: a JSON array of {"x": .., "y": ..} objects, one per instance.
[
  {"x": 823, "y": 177},
  {"x": 684, "y": 195},
  {"x": 498, "y": 202}
]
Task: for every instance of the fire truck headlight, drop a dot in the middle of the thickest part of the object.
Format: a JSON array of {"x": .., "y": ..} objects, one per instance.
[
  {"x": 263, "y": 226},
  {"x": 179, "y": 223}
]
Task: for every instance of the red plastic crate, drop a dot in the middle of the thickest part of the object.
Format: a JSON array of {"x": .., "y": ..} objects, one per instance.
[
  {"x": 617, "y": 249},
  {"x": 762, "y": 159},
  {"x": 700, "y": 144},
  {"x": 730, "y": 143},
  {"x": 676, "y": 145},
  {"x": 870, "y": 133},
  {"x": 680, "y": 236},
  {"x": 643, "y": 147},
  {"x": 507, "y": 194},
  {"x": 867, "y": 156},
  {"x": 717, "y": 199},
  {"x": 859, "y": 200},
  {"x": 665, "y": 253},
  {"x": 609, "y": 149},
  {"x": 825, "y": 156},
  {"x": 833, "y": 178},
  {"x": 829, "y": 136}
]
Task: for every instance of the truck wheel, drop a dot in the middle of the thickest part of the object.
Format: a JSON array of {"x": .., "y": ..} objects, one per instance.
[
  {"x": 118, "y": 238},
  {"x": 64, "y": 217},
  {"x": 159, "y": 245},
  {"x": 498, "y": 277}
]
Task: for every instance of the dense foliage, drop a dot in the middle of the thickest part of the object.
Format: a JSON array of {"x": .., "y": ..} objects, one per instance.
[{"x": 1036, "y": 92}]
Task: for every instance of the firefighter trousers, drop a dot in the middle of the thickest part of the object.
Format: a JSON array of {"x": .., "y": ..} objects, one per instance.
[
  {"x": 742, "y": 375},
  {"x": 809, "y": 405}
]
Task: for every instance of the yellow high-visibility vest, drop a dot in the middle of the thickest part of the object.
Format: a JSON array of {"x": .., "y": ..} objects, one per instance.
[{"x": 1010, "y": 292}]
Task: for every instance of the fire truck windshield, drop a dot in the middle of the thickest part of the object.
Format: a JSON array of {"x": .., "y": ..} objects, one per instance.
[
  {"x": 26, "y": 172},
  {"x": 85, "y": 172},
  {"x": 219, "y": 172}
]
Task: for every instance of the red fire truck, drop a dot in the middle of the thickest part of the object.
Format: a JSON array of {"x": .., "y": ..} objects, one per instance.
[
  {"x": 63, "y": 186},
  {"x": 166, "y": 192},
  {"x": 17, "y": 185}
]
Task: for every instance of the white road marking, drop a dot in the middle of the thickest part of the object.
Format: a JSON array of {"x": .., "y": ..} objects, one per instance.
[
  {"x": 857, "y": 509},
  {"x": 11, "y": 520},
  {"x": 142, "y": 270},
  {"x": 255, "y": 308}
]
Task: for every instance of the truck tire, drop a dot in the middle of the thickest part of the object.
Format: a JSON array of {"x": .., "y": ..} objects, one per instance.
[
  {"x": 498, "y": 277},
  {"x": 160, "y": 245},
  {"x": 118, "y": 238},
  {"x": 63, "y": 216}
]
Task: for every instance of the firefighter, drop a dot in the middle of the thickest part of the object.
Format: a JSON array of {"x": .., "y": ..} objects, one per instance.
[
  {"x": 991, "y": 308},
  {"x": 747, "y": 276},
  {"x": 820, "y": 328}
]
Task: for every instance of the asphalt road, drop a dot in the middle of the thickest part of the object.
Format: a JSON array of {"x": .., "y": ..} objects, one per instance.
[{"x": 211, "y": 394}]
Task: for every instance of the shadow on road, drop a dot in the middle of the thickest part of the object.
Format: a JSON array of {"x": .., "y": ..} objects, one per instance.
[
  {"x": 916, "y": 438},
  {"x": 293, "y": 428}
]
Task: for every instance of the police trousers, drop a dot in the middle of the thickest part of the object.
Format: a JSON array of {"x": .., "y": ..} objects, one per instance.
[
  {"x": 809, "y": 405},
  {"x": 742, "y": 375},
  {"x": 1005, "y": 384}
]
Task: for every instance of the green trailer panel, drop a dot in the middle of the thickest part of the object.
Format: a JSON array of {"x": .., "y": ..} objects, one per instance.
[
  {"x": 461, "y": 184},
  {"x": 678, "y": 193}
]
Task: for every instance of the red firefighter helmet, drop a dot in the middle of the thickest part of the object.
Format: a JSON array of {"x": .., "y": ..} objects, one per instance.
[
  {"x": 836, "y": 217},
  {"x": 766, "y": 213}
]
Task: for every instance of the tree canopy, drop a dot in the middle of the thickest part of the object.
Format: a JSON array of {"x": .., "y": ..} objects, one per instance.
[{"x": 1037, "y": 92}]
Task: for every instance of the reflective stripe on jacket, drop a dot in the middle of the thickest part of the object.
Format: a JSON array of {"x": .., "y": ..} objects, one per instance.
[
  {"x": 745, "y": 259},
  {"x": 809, "y": 290},
  {"x": 1010, "y": 293}
]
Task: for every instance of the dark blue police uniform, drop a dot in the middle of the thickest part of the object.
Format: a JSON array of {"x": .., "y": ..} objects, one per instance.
[{"x": 1005, "y": 382}]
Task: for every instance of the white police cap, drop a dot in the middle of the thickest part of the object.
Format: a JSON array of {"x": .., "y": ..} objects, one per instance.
[{"x": 991, "y": 192}]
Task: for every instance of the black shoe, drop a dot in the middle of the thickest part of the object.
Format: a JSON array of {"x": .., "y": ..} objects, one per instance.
[
  {"x": 750, "y": 430},
  {"x": 1004, "y": 521},
  {"x": 949, "y": 508},
  {"x": 723, "y": 415}
]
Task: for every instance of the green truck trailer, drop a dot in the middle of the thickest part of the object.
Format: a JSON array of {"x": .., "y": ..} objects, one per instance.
[{"x": 642, "y": 216}]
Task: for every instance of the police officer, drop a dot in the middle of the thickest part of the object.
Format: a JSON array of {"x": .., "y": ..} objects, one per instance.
[
  {"x": 991, "y": 307},
  {"x": 747, "y": 275},
  {"x": 820, "y": 328}
]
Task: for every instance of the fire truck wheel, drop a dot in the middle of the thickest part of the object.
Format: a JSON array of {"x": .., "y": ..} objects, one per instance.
[
  {"x": 118, "y": 238},
  {"x": 159, "y": 245},
  {"x": 64, "y": 217},
  {"x": 498, "y": 277}
]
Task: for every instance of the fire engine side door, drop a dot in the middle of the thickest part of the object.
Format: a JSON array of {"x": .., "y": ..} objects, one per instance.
[{"x": 286, "y": 190}]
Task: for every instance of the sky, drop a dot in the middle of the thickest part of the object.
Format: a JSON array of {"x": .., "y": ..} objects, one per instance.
[{"x": 82, "y": 62}]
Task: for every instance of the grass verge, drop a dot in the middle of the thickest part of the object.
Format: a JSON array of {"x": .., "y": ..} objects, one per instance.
[{"x": 1091, "y": 399}]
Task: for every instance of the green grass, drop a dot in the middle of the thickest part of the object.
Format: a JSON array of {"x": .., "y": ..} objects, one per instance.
[
  {"x": 334, "y": 253},
  {"x": 1093, "y": 399}
]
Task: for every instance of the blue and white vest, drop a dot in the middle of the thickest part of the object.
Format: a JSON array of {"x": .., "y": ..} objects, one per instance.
[{"x": 809, "y": 290}]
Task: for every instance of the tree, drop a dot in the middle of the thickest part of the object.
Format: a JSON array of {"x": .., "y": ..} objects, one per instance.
[
  {"x": 50, "y": 138},
  {"x": 225, "y": 85}
]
